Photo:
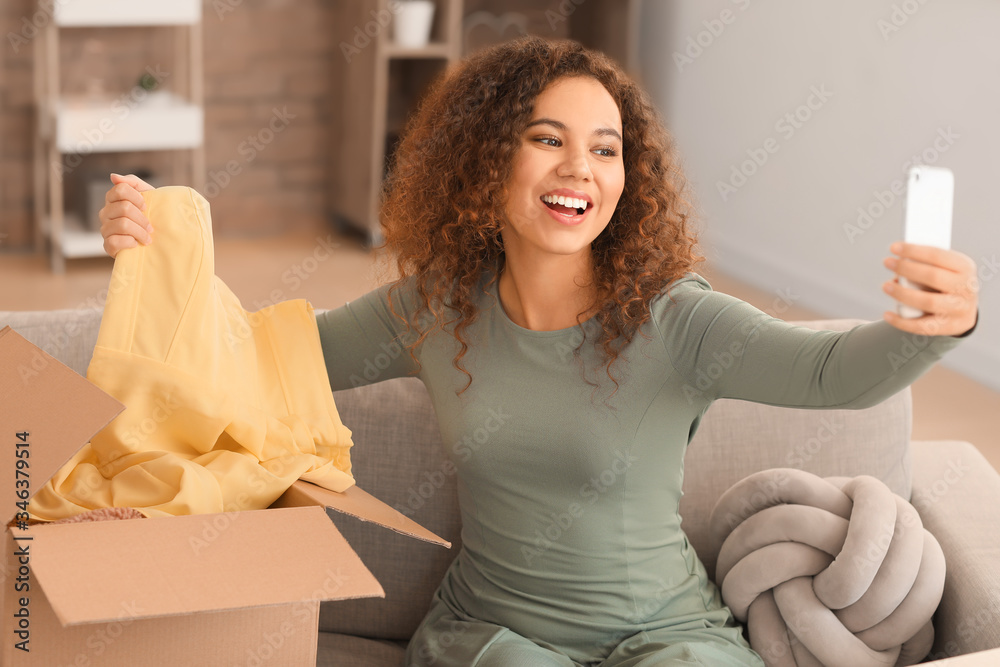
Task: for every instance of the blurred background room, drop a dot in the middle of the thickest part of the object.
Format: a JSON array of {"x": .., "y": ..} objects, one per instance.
[{"x": 795, "y": 124}]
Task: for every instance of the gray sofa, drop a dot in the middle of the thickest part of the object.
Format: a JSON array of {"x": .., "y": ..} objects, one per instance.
[{"x": 399, "y": 458}]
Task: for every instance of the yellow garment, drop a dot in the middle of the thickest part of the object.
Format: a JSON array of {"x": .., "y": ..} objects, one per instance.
[{"x": 225, "y": 409}]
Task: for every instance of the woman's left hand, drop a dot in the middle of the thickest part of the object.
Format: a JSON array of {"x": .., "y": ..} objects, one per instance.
[{"x": 951, "y": 308}]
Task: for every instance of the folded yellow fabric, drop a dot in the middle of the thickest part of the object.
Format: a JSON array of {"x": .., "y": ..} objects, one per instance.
[{"x": 225, "y": 409}]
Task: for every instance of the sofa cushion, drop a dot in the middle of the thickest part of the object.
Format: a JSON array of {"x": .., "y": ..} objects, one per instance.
[
  {"x": 955, "y": 489},
  {"x": 336, "y": 650}
]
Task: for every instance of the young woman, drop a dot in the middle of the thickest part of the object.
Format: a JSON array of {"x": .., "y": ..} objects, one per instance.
[{"x": 536, "y": 212}]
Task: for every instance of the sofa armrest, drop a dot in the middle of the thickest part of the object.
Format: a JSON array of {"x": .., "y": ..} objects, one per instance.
[{"x": 957, "y": 493}]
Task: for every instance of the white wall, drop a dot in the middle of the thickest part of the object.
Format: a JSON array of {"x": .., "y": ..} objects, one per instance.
[{"x": 931, "y": 85}]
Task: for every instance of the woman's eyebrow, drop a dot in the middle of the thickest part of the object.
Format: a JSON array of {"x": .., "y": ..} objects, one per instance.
[{"x": 559, "y": 125}]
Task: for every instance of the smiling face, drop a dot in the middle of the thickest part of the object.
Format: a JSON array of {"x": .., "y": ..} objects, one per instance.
[{"x": 568, "y": 173}]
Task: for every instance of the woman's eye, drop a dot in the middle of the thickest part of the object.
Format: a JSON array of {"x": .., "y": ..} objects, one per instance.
[{"x": 604, "y": 151}]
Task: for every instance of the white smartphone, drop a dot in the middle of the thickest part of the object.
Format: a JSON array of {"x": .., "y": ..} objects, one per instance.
[{"x": 929, "y": 198}]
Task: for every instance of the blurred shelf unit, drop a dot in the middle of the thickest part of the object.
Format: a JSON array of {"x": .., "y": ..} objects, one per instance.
[
  {"x": 381, "y": 82},
  {"x": 71, "y": 127}
]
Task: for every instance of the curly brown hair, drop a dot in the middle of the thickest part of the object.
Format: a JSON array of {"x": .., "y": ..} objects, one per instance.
[{"x": 443, "y": 203}]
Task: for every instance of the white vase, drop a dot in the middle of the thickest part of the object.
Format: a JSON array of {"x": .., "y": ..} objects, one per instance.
[{"x": 411, "y": 26}]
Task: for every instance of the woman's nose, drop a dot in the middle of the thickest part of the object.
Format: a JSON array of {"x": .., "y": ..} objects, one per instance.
[{"x": 575, "y": 165}]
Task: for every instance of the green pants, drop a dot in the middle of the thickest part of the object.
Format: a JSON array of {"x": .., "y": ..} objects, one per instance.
[{"x": 444, "y": 639}]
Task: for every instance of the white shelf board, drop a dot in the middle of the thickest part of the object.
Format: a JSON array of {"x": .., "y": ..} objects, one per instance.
[
  {"x": 434, "y": 50},
  {"x": 83, "y": 13},
  {"x": 81, "y": 243},
  {"x": 162, "y": 122},
  {"x": 78, "y": 241}
]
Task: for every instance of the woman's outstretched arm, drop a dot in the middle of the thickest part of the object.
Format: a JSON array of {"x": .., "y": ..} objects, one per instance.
[
  {"x": 364, "y": 342},
  {"x": 726, "y": 348}
]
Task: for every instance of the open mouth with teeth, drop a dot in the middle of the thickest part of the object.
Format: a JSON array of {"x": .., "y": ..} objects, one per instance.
[{"x": 568, "y": 206}]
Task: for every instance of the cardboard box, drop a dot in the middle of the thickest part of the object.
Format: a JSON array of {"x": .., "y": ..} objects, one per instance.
[{"x": 236, "y": 588}]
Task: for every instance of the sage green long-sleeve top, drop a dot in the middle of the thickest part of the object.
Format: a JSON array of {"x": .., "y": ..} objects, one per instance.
[{"x": 569, "y": 496}]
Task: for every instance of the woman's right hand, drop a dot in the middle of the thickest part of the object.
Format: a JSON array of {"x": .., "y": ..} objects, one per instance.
[{"x": 123, "y": 223}]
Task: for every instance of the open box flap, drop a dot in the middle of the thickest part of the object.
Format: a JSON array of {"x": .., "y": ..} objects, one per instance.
[
  {"x": 358, "y": 503},
  {"x": 143, "y": 568},
  {"x": 57, "y": 407}
]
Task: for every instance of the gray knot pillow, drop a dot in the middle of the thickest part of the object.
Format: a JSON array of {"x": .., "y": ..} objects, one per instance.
[{"x": 827, "y": 571}]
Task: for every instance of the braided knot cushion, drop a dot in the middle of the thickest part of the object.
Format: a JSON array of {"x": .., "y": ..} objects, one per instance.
[{"x": 827, "y": 571}]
